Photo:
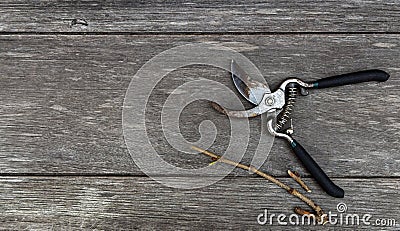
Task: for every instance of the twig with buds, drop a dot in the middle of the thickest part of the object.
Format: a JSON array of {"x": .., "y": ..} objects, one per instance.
[
  {"x": 296, "y": 176},
  {"x": 320, "y": 215}
]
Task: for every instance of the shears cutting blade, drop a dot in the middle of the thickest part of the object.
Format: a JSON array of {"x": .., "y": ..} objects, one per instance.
[{"x": 250, "y": 89}]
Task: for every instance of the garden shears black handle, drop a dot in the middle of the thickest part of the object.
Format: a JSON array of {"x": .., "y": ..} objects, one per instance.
[
  {"x": 308, "y": 162},
  {"x": 282, "y": 101},
  {"x": 316, "y": 172},
  {"x": 352, "y": 78}
]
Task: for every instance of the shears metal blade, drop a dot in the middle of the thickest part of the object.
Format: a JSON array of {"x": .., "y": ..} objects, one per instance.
[
  {"x": 251, "y": 90},
  {"x": 255, "y": 92}
]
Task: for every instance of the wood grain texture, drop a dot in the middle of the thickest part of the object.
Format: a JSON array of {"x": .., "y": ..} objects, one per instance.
[
  {"x": 199, "y": 16},
  {"x": 105, "y": 203},
  {"x": 61, "y": 102},
  {"x": 63, "y": 160}
]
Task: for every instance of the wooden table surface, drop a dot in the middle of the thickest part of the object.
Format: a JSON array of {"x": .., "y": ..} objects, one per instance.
[{"x": 65, "y": 67}]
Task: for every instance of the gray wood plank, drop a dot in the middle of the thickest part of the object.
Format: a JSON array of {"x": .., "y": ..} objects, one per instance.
[
  {"x": 139, "y": 203},
  {"x": 199, "y": 16},
  {"x": 109, "y": 62},
  {"x": 62, "y": 115},
  {"x": 70, "y": 131}
]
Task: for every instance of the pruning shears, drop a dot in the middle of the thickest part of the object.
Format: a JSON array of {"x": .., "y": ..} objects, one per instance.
[{"x": 282, "y": 101}]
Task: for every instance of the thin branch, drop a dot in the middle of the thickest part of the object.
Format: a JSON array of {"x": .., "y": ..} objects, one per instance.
[
  {"x": 302, "y": 212},
  {"x": 318, "y": 210},
  {"x": 296, "y": 176}
]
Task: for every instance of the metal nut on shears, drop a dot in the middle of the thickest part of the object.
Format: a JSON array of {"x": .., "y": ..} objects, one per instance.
[{"x": 269, "y": 101}]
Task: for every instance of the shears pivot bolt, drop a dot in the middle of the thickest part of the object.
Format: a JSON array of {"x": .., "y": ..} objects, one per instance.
[{"x": 269, "y": 101}]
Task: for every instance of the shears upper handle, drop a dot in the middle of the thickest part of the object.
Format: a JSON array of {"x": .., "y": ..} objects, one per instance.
[{"x": 352, "y": 78}]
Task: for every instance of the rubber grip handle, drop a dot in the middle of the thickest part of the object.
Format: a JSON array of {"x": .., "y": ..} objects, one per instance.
[
  {"x": 351, "y": 78},
  {"x": 316, "y": 171}
]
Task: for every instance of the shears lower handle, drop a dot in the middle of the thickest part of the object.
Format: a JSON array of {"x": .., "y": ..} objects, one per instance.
[
  {"x": 309, "y": 163},
  {"x": 318, "y": 174}
]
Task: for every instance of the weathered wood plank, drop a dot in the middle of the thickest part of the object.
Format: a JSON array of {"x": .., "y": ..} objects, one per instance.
[
  {"x": 199, "y": 16},
  {"x": 63, "y": 115},
  {"x": 140, "y": 203},
  {"x": 109, "y": 62},
  {"x": 68, "y": 131}
]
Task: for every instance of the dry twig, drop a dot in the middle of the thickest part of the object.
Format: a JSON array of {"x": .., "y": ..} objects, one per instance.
[
  {"x": 296, "y": 176},
  {"x": 318, "y": 210},
  {"x": 301, "y": 211}
]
